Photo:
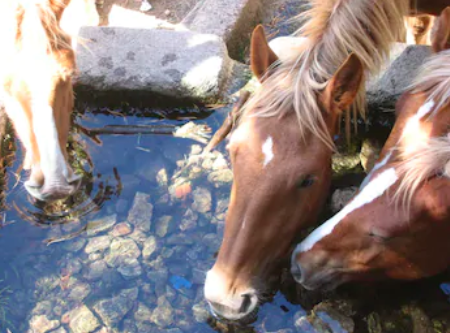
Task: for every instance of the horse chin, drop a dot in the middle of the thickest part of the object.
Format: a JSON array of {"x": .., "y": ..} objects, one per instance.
[
  {"x": 53, "y": 190},
  {"x": 225, "y": 314}
]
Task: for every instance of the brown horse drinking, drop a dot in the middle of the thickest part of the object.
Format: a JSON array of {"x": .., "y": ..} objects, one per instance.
[
  {"x": 281, "y": 149},
  {"x": 36, "y": 66},
  {"x": 397, "y": 225}
]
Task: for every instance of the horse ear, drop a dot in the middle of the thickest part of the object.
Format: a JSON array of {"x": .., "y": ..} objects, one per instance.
[
  {"x": 344, "y": 85},
  {"x": 261, "y": 55},
  {"x": 441, "y": 37}
]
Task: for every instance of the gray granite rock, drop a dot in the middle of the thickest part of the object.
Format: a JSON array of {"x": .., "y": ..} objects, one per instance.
[
  {"x": 162, "y": 315},
  {"x": 202, "y": 200},
  {"x": 140, "y": 214},
  {"x": 150, "y": 246},
  {"x": 190, "y": 65},
  {"x": 82, "y": 320},
  {"x": 164, "y": 225},
  {"x": 113, "y": 310},
  {"x": 97, "y": 244},
  {"x": 95, "y": 270},
  {"x": 121, "y": 249}
]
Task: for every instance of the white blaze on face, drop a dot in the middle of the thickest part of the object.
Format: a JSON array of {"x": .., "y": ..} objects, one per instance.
[
  {"x": 413, "y": 135},
  {"x": 267, "y": 149},
  {"x": 370, "y": 192},
  {"x": 376, "y": 167}
]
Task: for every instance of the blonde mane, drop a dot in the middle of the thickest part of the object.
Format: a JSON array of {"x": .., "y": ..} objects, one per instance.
[
  {"x": 334, "y": 28},
  {"x": 431, "y": 157},
  {"x": 30, "y": 29}
]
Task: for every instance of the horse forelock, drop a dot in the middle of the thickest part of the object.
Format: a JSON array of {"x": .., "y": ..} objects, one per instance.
[{"x": 334, "y": 28}]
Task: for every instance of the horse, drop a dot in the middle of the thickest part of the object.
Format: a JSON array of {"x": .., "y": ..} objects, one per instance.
[
  {"x": 281, "y": 147},
  {"x": 37, "y": 63},
  {"x": 397, "y": 224}
]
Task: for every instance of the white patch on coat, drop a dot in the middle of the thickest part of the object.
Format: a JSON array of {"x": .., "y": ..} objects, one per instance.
[
  {"x": 376, "y": 167},
  {"x": 267, "y": 149},
  {"x": 373, "y": 190}
]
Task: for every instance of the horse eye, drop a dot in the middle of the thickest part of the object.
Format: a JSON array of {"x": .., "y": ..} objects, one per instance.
[{"x": 306, "y": 181}]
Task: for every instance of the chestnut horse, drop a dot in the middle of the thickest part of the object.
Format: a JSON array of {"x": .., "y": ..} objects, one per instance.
[
  {"x": 397, "y": 225},
  {"x": 36, "y": 67},
  {"x": 281, "y": 149}
]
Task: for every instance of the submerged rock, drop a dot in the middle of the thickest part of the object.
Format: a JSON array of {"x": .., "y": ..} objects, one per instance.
[
  {"x": 74, "y": 245},
  {"x": 164, "y": 225},
  {"x": 95, "y": 270},
  {"x": 41, "y": 324},
  {"x": 142, "y": 314},
  {"x": 130, "y": 269},
  {"x": 202, "y": 200},
  {"x": 121, "y": 249},
  {"x": 150, "y": 246},
  {"x": 82, "y": 320},
  {"x": 113, "y": 310},
  {"x": 140, "y": 214},
  {"x": 96, "y": 244},
  {"x": 97, "y": 226},
  {"x": 162, "y": 315},
  {"x": 121, "y": 229},
  {"x": 79, "y": 292},
  {"x": 221, "y": 177},
  {"x": 200, "y": 312},
  {"x": 189, "y": 220}
]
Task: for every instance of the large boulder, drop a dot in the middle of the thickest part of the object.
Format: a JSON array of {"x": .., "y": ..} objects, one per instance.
[{"x": 140, "y": 65}]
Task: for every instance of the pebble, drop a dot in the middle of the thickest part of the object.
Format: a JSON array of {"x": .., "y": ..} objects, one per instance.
[
  {"x": 163, "y": 225},
  {"x": 140, "y": 214},
  {"x": 202, "y": 200},
  {"x": 220, "y": 177},
  {"x": 82, "y": 320},
  {"x": 41, "y": 324},
  {"x": 341, "y": 197},
  {"x": 97, "y": 244},
  {"x": 121, "y": 249},
  {"x": 97, "y": 226},
  {"x": 189, "y": 220},
  {"x": 150, "y": 246},
  {"x": 130, "y": 269},
  {"x": 200, "y": 312},
  {"x": 79, "y": 292},
  {"x": 74, "y": 245},
  {"x": 95, "y": 270},
  {"x": 162, "y": 315},
  {"x": 113, "y": 310}
]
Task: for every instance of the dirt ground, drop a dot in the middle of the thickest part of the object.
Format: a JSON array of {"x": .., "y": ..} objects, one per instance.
[{"x": 172, "y": 11}]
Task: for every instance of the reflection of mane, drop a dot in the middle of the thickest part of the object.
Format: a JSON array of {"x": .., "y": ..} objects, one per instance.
[
  {"x": 334, "y": 28},
  {"x": 431, "y": 157},
  {"x": 31, "y": 28}
]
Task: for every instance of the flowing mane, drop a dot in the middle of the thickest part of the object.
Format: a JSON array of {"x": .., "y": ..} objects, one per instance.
[
  {"x": 334, "y": 28},
  {"x": 433, "y": 156},
  {"x": 30, "y": 28}
]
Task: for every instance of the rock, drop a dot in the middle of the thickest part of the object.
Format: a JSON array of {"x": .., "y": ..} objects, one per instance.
[
  {"x": 237, "y": 19},
  {"x": 43, "y": 308},
  {"x": 164, "y": 225},
  {"x": 74, "y": 245},
  {"x": 162, "y": 179},
  {"x": 202, "y": 200},
  {"x": 82, "y": 320},
  {"x": 221, "y": 209},
  {"x": 95, "y": 256},
  {"x": 60, "y": 330},
  {"x": 220, "y": 177},
  {"x": 97, "y": 244},
  {"x": 179, "y": 239},
  {"x": 162, "y": 315},
  {"x": 41, "y": 324},
  {"x": 140, "y": 214},
  {"x": 73, "y": 265},
  {"x": 286, "y": 47},
  {"x": 121, "y": 249},
  {"x": 95, "y": 270},
  {"x": 370, "y": 151},
  {"x": 341, "y": 197},
  {"x": 212, "y": 241},
  {"x": 189, "y": 220},
  {"x": 342, "y": 163},
  {"x": 143, "y": 313},
  {"x": 150, "y": 246},
  {"x": 158, "y": 277},
  {"x": 100, "y": 225},
  {"x": 79, "y": 292},
  {"x": 190, "y": 66},
  {"x": 112, "y": 310},
  {"x": 200, "y": 312},
  {"x": 121, "y": 229},
  {"x": 384, "y": 90},
  {"x": 130, "y": 269}
]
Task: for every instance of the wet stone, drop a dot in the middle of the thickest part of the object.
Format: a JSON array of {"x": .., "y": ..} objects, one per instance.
[
  {"x": 94, "y": 271},
  {"x": 43, "y": 308},
  {"x": 82, "y": 320},
  {"x": 164, "y": 225},
  {"x": 74, "y": 245},
  {"x": 97, "y": 226},
  {"x": 139, "y": 236},
  {"x": 179, "y": 239},
  {"x": 121, "y": 229},
  {"x": 95, "y": 256},
  {"x": 97, "y": 244},
  {"x": 60, "y": 330},
  {"x": 74, "y": 265},
  {"x": 220, "y": 177},
  {"x": 200, "y": 312},
  {"x": 130, "y": 269},
  {"x": 189, "y": 220},
  {"x": 41, "y": 324},
  {"x": 79, "y": 292},
  {"x": 212, "y": 241},
  {"x": 162, "y": 179},
  {"x": 142, "y": 314},
  {"x": 113, "y": 310},
  {"x": 150, "y": 246},
  {"x": 140, "y": 214},
  {"x": 202, "y": 200},
  {"x": 162, "y": 315},
  {"x": 121, "y": 249}
]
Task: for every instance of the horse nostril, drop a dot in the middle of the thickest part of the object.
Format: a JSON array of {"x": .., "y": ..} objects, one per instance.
[
  {"x": 246, "y": 303},
  {"x": 296, "y": 271}
]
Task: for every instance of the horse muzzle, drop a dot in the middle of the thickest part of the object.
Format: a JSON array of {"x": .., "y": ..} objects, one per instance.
[{"x": 54, "y": 189}]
